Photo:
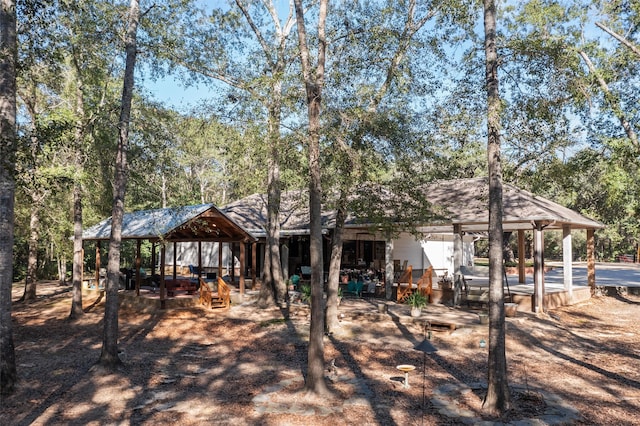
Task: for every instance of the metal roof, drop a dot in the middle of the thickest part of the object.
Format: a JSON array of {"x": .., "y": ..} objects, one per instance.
[{"x": 202, "y": 222}]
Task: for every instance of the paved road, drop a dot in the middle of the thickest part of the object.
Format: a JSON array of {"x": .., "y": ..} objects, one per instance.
[{"x": 607, "y": 274}]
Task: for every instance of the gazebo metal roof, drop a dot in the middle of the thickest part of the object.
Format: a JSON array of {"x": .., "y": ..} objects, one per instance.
[{"x": 202, "y": 222}]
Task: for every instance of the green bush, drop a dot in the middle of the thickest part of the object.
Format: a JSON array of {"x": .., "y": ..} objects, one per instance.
[
  {"x": 417, "y": 300},
  {"x": 305, "y": 291}
]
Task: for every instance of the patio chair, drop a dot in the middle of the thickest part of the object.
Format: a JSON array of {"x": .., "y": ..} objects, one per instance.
[
  {"x": 195, "y": 272},
  {"x": 425, "y": 283},
  {"x": 405, "y": 284},
  {"x": 354, "y": 288}
]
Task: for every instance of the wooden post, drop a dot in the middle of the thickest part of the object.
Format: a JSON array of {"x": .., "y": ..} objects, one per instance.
[
  {"x": 200, "y": 260},
  {"x": 163, "y": 253},
  {"x": 567, "y": 260},
  {"x": 153, "y": 259},
  {"x": 233, "y": 262},
  {"x": 138, "y": 262},
  {"x": 457, "y": 264},
  {"x": 175, "y": 259},
  {"x": 220, "y": 259},
  {"x": 388, "y": 259},
  {"x": 538, "y": 269},
  {"x": 591, "y": 260},
  {"x": 254, "y": 265},
  {"x": 242, "y": 262},
  {"x": 97, "y": 264},
  {"x": 522, "y": 259}
]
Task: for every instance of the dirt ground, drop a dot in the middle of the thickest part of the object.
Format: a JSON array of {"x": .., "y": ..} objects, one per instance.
[{"x": 246, "y": 366}]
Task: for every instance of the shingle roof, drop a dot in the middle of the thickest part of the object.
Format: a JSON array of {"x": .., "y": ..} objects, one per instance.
[
  {"x": 466, "y": 201},
  {"x": 459, "y": 201}
]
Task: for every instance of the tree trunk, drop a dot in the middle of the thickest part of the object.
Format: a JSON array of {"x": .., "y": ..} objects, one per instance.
[
  {"x": 78, "y": 261},
  {"x": 32, "y": 259},
  {"x": 334, "y": 266},
  {"x": 78, "y": 254},
  {"x": 273, "y": 287},
  {"x": 8, "y": 56},
  {"x": 109, "y": 357},
  {"x": 497, "y": 398},
  {"x": 313, "y": 85}
]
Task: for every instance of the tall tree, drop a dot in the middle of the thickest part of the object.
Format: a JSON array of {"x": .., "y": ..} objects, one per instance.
[
  {"x": 109, "y": 356},
  {"x": 246, "y": 47},
  {"x": 360, "y": 119},
  {"x": 8, "y": 58},
  {"x": 313, "y": 83},
  {"x": 497, "y": 399}
]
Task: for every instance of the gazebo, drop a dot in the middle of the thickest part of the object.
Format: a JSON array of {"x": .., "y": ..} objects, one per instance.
[{"x": 199, "y": 223}]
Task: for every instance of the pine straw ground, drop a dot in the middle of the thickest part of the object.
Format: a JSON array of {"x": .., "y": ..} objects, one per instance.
[{"x": 195, "y": 366}]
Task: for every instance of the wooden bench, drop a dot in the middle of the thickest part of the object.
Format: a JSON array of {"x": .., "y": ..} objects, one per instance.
[
  {"x": 218, "y": 299},
  {"x": 180, "y": 284}
]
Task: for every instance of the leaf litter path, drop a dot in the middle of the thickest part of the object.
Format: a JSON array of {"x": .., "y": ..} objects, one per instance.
[{"x": 193, "y": 366}]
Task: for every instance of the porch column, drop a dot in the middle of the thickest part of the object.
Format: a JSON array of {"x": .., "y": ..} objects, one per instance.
[
  {"x": 138, "y": 262},
  {"x": 457, "y": 264},
  {"x": 200, "y": 261},
  {"x": 522, "y": 276},
  {"x": 153, "y": 259},
  {"x": 163, "y": 253},
  {"x": 538, "y": 269},
  {"x": 567, "y": 258},
  {"x": 284, "y": 253},
  {"x": 97, "y": 264},
  {"x": 175, "y": 259},
  {"x": 242, "y": 262},
  {"x": 220, "y": 259},
  {"x": 388, "y": 269},
  {"x": 254, "y": 264},
  {"x": 591, "y": 260}
]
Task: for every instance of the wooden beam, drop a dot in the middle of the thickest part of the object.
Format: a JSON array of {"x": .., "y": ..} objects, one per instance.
[
  {"x": 220, "y": 259},
  {"x": 522, "y": 276},
  {"x": 591, "y": 260},
  {"x": 163, "y": 253},
  {"x": 175, "y": 259},
  {"x": 242, "y": 263},
  {"x": 567, "y": 260},
  {"x": 254, "y": 263},
  {"x": 97, "y": 274},
  {"x": 138, "y": 262},
  {"x": 457, "y": 264}
]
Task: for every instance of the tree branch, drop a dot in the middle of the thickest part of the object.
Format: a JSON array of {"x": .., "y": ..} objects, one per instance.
[
  {"x": 609, "y": 97},
  {"x": 620, "y": 38}
]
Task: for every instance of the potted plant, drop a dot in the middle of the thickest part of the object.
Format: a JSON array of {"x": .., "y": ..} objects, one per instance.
[{"x": 416, "y": 301}]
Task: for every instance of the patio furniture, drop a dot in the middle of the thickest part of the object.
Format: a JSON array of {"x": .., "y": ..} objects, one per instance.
[
  {"x": 180, "y": 284},
  {"x": 405, "y": 285}
]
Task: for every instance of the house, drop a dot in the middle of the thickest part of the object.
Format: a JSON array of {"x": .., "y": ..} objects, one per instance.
[{"x": 443, "y": 240}]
